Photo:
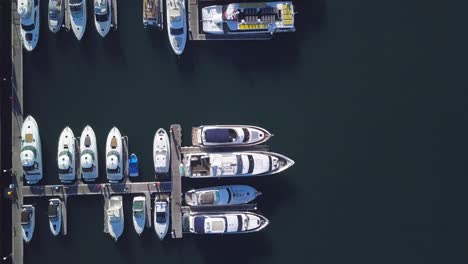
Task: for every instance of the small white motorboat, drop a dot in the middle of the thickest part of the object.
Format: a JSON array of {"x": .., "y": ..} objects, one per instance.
[
  {"x": 55, "y": 216},
  {"x": 28, "y": 11},
  {"x": 66, "y": 156},
  {"x": 161, "y": 152},
  {"x": 176, "y": 25},
  {"x": 31, "y": 151},
  {"x": 229, "y": 135},
  {"x": 114, "y": 158},
  {"x": 78, "y": 17},
  {"x": 28, "y": 222},
  {"x": 102, "y": 16},
  {"x": 161, "y": 217},
  {"x": 89, "y": 155},
  {"x": 221, "y": 195},
  {"x": 56, "y": 14},
  {"x": 139, "y": 213},
  {"x": 115, "y": 217},
  {"x": 226, "y": 223}
]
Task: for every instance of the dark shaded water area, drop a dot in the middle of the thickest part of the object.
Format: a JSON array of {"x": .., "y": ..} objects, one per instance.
[{"x": 368, "y": 98}]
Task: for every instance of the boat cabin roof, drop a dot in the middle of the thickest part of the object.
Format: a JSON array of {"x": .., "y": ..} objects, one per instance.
[
  {"x": 25, "y": 216},
  {"x": 53, "y": 210},
  {"x": 208, "y": 197}
]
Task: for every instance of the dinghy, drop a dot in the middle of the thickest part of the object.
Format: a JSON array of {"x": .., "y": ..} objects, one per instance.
[{"x": 89, "y": 155}]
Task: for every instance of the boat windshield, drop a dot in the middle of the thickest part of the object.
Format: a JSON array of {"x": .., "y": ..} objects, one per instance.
[
  {"x": 177, "y": 31},
  {"x": 76, "y": 8},
  {"x": 160, "y": 217},
  {"x": 53, "y": 211},
  {"x": 137, "y": 206},
  {"x": 102, "y": 17},
  {"x": 28, "y": 27},
  {"x": 25, "y": 217}
]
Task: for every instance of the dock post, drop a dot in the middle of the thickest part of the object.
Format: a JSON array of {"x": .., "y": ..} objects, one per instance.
[
  {"x": 114, "y": 15},
  {"x": 176, "y": 194},
  {"x": 64, "y": 215}
]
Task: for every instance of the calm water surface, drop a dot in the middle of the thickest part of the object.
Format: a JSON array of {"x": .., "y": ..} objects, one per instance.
[{"x": 369, "y": 99}]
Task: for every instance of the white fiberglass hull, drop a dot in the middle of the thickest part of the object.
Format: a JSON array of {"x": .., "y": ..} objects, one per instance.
[
  {"x": 88, "y": 155},
  {"x": 66, "y": 159},
  {"x": 221, "y": 195},
  {"x": 55, "y": 224},
  {"x": 114, "y": 158},
  {"x": 179, "y": 40},
  {"x": 161, "y": 151},
  {"x": 78, "y": 21},
  {"x": 30, "y": 26},
  {"x": 161, "y": 218},
  {"x": 103, "y": 27},
  {"x": 31, "y": 151},
  {"x": 116, "y": 222}
]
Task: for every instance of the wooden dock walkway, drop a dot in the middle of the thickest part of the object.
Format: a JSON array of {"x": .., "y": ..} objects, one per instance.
[
  {"x": 67, "y": 22},
  {"x": 176, "y": 195}
]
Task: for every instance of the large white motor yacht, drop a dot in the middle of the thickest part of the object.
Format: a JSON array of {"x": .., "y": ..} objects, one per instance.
[
  {"x": 28, "y": 11},
  {"x": 66, "y": 156},
  {"x": 229, "y": 135},
  {"x": 28, "y": 222},
  {"x": 161, "y": 152},
  {"x": 55, "y": 216},
  {"x": 226, "y": 223},
  {"x": 114, "y": 158},
  {"x": 89, "y": 155},
  {"x": 78, "y": 17},
  {"x": 176, "y": 25},
  {"x": 115, "y": 217},
  {"x": 55, "y": 15},
  {"x": 102, "y": 16},
  {"x": 31, "y": 151},
  {"x": 221, "y": 195}
]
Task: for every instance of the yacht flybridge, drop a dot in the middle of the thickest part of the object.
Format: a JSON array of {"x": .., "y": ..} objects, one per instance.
[
  {"x": 226, "y": 223},
  {"x": 229, "y": 135},
  {"x": 89, "y": 155},
  {"x": 28, "y": 11},
  {"x": 78, "y": 17},
  {"x": 55, "y": 15},
  {"x": 102, "y": 16},
  {"x": 233, "y": 164},
  {"x": 114, "y": 158},
  {"x": 249, "y": 18},
  {"x": 31, "y": 151},
  {"x": 176, "y": 25},
  {"x": 66, "y": 156}
]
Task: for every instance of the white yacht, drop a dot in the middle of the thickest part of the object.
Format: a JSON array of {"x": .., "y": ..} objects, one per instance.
[
  {"x": 89, "y": 155},
  {"x": 55, "y": 216},
  {"x": 28, "y": 11},
  {"x": 102, "y": 16},
  {"x": 28, "y": 222},
  {"x": 221, "y": 195},
  {"x": 226, "y": 223},
  {"x": 115, "y": 217},
  {"x": 139, "y": 213},
  {"x": 55, "y": 15},
  {"x": 31, "y": 151},
  {"x": 66, "y": 161},
  {"x": 248, "y": 18},
  {"x": 176, "y": 24},
  {"x": 78, "y": 17},
  {"x": 229, "y": 135},
  {"x": 161, "y": 217},
  {"x": 153, "y": 13},
  {"x": 161, "y": 152},
  {"x": 114, "y": 158},
  {"x": 234, "y": 164}
]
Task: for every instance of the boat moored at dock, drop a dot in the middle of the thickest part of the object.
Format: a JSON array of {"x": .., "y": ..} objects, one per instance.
[
  {"x": 133, "y": 165},
  {"x": 234, "y": 164},
  {"x": 176, "y": 25},
  {"x": 115, "y": 217},
  {"x": 221, "y": 195},
  {"x": 28, "y": 222},
  {"x": 161, "y": 151},
  {"x": 139, "y": 213},
  {"x": 102, "y": 16},
  {"x": 248, "y": 18},
  {"x": 89, "y": 155},
  {"x": 55, "y": 216},
  {"x": 153, "y": 13},
  {"x": 226, "y": 223},
  {"x": 28, "y": 11},
  {"x": 114, "y": 157},
  {"x": 229, "y": 135},
  {"x": 55, "y": 15},
  {"x": 66, "y": 156},
  {"x": 161, "y": 217},
  {"x": 31, "y": 151},
  {"x": 78, "y": 17}
]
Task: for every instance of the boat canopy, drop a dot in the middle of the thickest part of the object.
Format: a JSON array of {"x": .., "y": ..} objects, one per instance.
[
  {"x": 220, "y": 135},
  {"x": 199, "y": 224}
]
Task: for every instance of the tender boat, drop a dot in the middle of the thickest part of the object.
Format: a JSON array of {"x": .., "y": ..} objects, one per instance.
[
  {"x": 139, "y": 213},
  {"x": 78, "y": 17},
  {"x": 55, "y": 216},
  {"x": 28, "y": 222},
  {"x": 55, "y": 15},
  {"x": 226, "y": 223},
  {"x": 31, "y": 151},
  {"x": 133, "y": 165},
  {"x": 176, "y": 25},
  {"x": 231, "y": 135},
  {"x": 221, "y": 195},
  {"x": 114, "y": 158},
  {"x": 102, "y": 16},
  {"x": 248, "y": 18},
  {"x": 161, "y": 152},
  {"x": 89, "y": 155},
  {"x": 115, "y": 217},
  {"x": 153, "y": 13},
  {"x": 28, "y": 11},
  {"x": 233, "y": 164},
  {"x": 161, "y": 217},
  {"x": 66, "y": 156}
]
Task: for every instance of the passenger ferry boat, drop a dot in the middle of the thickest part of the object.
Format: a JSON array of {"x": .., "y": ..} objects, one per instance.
[
  {"x": 153, "y": 13},
  {"x": 249, "y": 18}
]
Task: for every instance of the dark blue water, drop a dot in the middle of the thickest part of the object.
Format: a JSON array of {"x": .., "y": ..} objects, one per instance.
[{"x": 369, "y": 98}]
